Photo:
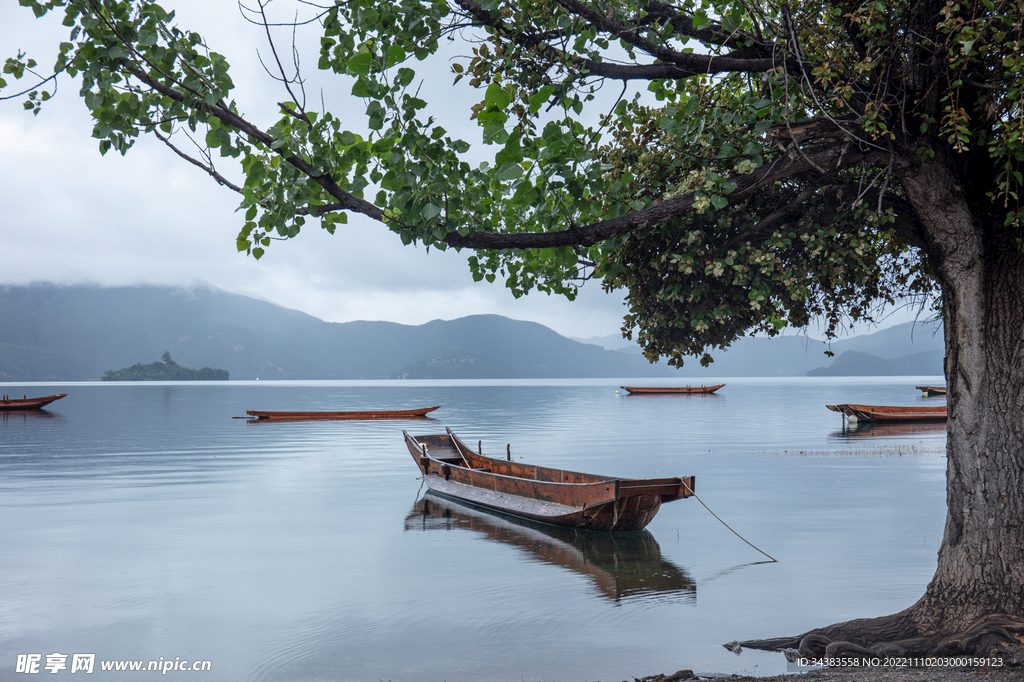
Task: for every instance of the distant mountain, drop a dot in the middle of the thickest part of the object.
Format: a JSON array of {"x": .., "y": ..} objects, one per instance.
[
  {"x": 76, "y": 333},
  {"x": 903, "y": 349},
  {"x": 612, "y": 342},
  {"x": 855, "y": 363}
]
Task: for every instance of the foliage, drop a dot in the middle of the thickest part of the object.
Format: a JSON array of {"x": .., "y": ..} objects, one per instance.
[{"x": 749, "y": 183}]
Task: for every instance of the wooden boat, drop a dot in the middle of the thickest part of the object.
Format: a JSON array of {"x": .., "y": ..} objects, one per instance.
[
  {"x": 27, "y": 403},
  {"x": 658, "y": 390},
  {"x": 561, "y": 498},
  {"x": 265, "y": 415},
  {"x": 885, "y": 413},
  {"x": 932, "y": 390}
]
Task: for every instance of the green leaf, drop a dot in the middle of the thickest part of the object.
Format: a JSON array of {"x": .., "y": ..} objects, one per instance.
[
  {"x": 360, "y": 88},
  {"x": 396, "y": 55},
  {"x": 496, "y": 97},
  {"x": 359, "y": 64},
  {"x": 510, "y": 170}
]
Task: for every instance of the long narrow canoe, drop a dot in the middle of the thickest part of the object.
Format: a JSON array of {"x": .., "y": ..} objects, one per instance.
[
  {"x": 645, "y": 390},
  {"x": 886, "y": 413},
  {"x": 556, "y": 496},
  {"x": 27, "y": 403},
  {"x": 265, "y": 415},
  {"x": 932, "y": 390}
]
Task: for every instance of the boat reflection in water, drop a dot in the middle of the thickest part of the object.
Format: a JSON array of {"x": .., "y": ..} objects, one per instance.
[
  {"x": 889, "y": 429},
  {"x": 25, "y": 415},
  {"x": 620, "y": 565}
]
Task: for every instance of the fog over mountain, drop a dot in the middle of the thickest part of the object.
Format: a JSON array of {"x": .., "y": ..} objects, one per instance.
[{"x": 76, "y": 333}]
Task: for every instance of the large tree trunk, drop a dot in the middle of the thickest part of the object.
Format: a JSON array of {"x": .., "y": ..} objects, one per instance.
[
  {"x": 980, "y": 265},
  {"x": 976, "y": 598}
]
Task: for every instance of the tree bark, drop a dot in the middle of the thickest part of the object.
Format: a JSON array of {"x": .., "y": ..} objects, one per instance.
[
  {"x": 976, "y": 599},
  {"x": 981, "y": 270}
]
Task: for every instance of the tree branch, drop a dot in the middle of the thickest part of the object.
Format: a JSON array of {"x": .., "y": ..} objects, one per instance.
[
  {"x": 221, "y": 180},
  {"x": 678, "y": 64},
  {"x": 831, "y": 159},
  {"x": 346, "y": 201},
  {"x": 712, "y": 34}
]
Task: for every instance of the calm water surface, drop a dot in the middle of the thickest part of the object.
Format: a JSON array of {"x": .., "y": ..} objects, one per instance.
[{"x": 143, "y": 521}]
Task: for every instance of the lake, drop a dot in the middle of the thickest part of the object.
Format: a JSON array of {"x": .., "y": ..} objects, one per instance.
[{"x": 146, "y": 522}]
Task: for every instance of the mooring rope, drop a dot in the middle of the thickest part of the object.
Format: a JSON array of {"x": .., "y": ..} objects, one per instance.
[{"x": 727, "y": 525}]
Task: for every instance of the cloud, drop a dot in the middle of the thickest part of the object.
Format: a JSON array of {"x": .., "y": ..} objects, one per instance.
[{"x": 72, "y": 216}]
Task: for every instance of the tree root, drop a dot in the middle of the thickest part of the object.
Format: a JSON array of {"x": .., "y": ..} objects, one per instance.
[
  {"x": 896, "y": 635},
  {"x": 674, "y": 677}
]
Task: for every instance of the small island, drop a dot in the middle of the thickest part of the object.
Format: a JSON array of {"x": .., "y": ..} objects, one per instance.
[{"x": 164, "y": 369}]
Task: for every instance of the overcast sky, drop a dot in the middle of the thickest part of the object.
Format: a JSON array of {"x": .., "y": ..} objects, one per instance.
[{"x": 69, "y": 215}]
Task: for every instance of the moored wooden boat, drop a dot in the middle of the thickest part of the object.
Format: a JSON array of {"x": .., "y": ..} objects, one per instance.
[
  {"x": 26, "y": 403},
  {"x": 932, "y": 390},
  {"x": 889, "y": 413},
  {"x": 555, "y": 496},
  {"x": 658, "y": 390},
  {"x": 267, "y": 415}
]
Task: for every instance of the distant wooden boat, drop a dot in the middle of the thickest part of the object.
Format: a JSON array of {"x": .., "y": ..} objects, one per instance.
[
  {"x": 885, "y": 413},
  {"x": 555, "y": 496},
  {"x": 932, "y": 390},
  {"x": 26, "y": 403},
  {"x": 658, "y": 390},
  {"x": 266, "y": 415}
]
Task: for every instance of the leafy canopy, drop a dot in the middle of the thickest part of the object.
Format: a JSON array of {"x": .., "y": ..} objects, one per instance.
[{"x": 742, "y": 181}]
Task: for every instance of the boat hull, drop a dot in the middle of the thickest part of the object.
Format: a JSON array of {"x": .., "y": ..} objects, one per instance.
[
  {"x": 662, "y": 390},
  {"x": 888, "y": 413},
  {"x": 265, "y": 415},
  {"x": 554, "y": 496},
  {"x": 12, "y": 404},
  {"x": 932, "y": 390}
]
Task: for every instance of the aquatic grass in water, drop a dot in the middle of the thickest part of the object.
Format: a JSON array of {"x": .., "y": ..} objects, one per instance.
[{"x": 888, "y": 450}]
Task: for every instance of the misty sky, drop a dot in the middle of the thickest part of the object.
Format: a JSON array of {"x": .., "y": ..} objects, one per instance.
[{"x": 71, "y": 216}]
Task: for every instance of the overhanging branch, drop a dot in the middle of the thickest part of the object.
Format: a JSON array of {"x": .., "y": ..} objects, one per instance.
[
  {"x": 673, "y": 64},
  {"x": 831, "y": 159},
  {"x": 346, "y": 201}
]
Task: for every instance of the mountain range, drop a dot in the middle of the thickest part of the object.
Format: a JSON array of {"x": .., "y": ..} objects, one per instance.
[{"x": 76, "y": 333}]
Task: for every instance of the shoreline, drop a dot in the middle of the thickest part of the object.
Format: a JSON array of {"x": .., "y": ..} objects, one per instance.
[
  {"x": 1010, "y": 669},
  {"x": 988, "y": 674},
  {"x": 1012, "y": 672}
]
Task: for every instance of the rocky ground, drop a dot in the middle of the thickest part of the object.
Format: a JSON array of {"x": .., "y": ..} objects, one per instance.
[
  {"x": 1012, "y": 670},
  {"x": 868, "y": 675}
]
